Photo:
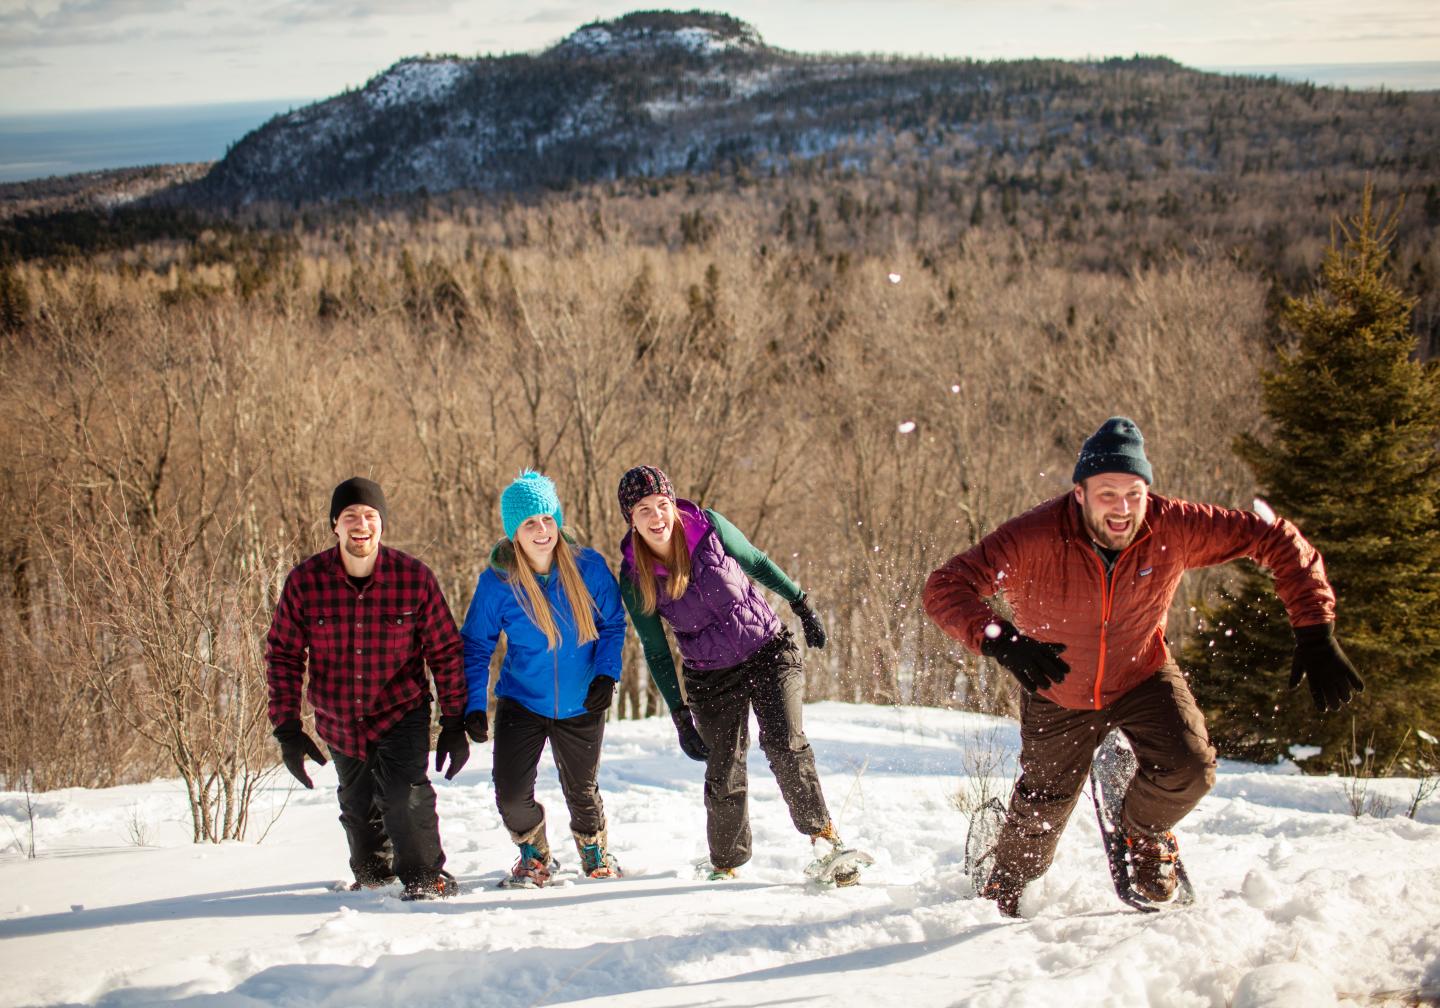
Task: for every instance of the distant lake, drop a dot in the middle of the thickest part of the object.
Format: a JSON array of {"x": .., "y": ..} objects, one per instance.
[
  {"x": 63, "y": 143},
  {"x": 1417, "y": 76}
]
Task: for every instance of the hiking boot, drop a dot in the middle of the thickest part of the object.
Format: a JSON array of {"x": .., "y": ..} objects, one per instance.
[
  {"x": 1152, "y": 865},
  {"x": 441, "y": 885},
  {"x": 1005, "y": 892},
  {"x": 531, "y": 869},
  {"x": 373, "y": 873},
  {"x": 596, "y": 861},
  {"x": 826, "y": 845},
  {"x": 721, "y": 875}
]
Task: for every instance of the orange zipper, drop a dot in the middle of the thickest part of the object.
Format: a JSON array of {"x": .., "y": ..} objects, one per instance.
[{"x": 1107, "y": 602}]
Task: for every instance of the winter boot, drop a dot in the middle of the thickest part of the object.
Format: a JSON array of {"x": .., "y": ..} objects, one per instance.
[
  {"x": 827, "y": 844},
  {"x": 1005, "y": 891},
  {"x": 372, "y": 874},
  {"x": 441, "y": 885},
  {"x": 721, "y": 875},
  {"x": 596, "y": 861},
  {"x": 1152, "y": 864},
  {"x": 533, "y": 868}
]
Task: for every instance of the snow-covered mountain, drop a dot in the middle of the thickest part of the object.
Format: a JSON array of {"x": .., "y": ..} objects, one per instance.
[
  {"x": 646, "y": 94},
  {"x": 1300, "y": 904}
]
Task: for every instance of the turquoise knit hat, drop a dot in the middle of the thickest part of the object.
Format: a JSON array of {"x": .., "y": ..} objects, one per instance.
[{"x": 530, "y": 494}]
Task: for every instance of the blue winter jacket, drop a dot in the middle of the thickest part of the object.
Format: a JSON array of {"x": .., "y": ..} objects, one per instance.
[{"x": 549, "y": 683}]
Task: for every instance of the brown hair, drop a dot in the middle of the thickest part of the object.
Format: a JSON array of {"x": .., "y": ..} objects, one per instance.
[
  {"x": 531, "y": 596},
  {"x": 678, "y": 564}
]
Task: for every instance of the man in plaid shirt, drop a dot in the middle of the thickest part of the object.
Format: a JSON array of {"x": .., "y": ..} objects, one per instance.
[{"x": 368, "y": 619}]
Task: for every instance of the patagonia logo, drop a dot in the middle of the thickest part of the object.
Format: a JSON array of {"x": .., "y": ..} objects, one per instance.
[{"x": 1146, "y": 571}]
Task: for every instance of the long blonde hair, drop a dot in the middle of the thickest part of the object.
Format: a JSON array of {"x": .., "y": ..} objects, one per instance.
[
  {"x": 677, "y": 563},
  {"x": 531, "y": 596}
]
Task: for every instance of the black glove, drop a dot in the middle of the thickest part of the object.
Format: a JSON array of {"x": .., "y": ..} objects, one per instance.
[
  {"x": 295, "y": 745},
  {"x": 600, "y": 693},
  {"x": 809, "y": 622},
  {"x": 1036, "y": 664},
  {"x": 477, "y": 726},
  {"x": 1318, "y": 658},
  {"x": 451, "y": 744},
  {"x": 690, "y": 741}
]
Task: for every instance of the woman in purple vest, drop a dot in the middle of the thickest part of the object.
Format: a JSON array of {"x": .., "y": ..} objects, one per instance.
[{"x": 693, "y": 568}]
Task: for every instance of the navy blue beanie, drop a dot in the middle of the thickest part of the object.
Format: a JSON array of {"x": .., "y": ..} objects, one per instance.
[{"x": 1117, "y": 447}]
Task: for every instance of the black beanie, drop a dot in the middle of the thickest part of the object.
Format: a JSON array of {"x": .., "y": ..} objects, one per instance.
[
  {"x": 1117, "y": 447},
  {"x": 357, "y": 490}
]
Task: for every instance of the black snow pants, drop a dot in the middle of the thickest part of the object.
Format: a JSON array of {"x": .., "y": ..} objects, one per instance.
[
  {"x": 772, "y": 683},
  {"x": 520, "y": 736},
  {"x": 387, "y": 805}
]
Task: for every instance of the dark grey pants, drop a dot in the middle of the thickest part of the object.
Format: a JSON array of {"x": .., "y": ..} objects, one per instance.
[
  {"x": 773, "y": 684},
  {"x": 520, "y": 736},
  {"x": 387, "y": 805},
  {"x": 1176, "y": 767}
]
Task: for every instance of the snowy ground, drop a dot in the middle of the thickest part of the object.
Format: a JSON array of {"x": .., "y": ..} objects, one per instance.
[{"x": 1300, "y": 904}]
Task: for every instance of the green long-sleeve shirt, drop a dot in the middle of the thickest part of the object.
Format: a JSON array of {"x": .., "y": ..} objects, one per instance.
[{"x": 648, "y": 627}]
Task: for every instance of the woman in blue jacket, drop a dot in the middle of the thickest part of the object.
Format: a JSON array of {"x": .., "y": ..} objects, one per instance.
[{"x": 559, "y": 608}]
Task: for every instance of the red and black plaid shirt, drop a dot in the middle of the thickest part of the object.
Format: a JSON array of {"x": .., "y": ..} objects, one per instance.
[{"x": 368, "y": 647}]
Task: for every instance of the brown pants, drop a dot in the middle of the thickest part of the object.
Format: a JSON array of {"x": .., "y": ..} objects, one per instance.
[{"x": 1057, "y": 744}]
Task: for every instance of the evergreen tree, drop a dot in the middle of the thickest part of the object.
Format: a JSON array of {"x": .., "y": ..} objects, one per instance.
[{"x": 1350, "y": 458}]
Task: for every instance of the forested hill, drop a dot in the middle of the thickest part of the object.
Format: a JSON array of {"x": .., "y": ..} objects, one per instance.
[{"x": 659, "y": 93}]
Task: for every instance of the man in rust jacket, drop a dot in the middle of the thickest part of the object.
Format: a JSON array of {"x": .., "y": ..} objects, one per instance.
[
  {"x": 367, "y": 619},
  {"x": 1089, "y": 577}
]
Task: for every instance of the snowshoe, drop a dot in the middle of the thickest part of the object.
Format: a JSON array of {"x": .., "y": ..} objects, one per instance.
[
  {"x": 707, "y": 872},
  {"x": 532, "y": 869},
  {"x": 440, "y": 886},
  {"x": 1110, "y": 774},
  {"x": 981, "y": 840},
  {"x": 596, "y": 861},
  {"x": 835, "y": 864}
]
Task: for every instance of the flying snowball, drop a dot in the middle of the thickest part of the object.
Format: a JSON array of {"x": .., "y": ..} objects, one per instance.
[
  {"x": 894, "y": 278},
  {"x": 1263, "y": 510},
  {"x": 907, "y": 427}
]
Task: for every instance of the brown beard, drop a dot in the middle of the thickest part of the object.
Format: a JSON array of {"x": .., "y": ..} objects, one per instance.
[{"x": 359, "y": 552}]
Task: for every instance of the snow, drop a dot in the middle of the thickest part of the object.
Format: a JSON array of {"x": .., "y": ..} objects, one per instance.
[
  {"x": 1300, "y": 904},
  {"x": 602, "y": 40},
  {"x": 415, "y": 80}
]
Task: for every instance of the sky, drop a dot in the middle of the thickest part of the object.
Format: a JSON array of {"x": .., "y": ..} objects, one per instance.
[{"x": 88, "y": 54}]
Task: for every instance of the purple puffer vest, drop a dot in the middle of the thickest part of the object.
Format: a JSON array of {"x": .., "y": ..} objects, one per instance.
[{"x": 721, "y": 619}]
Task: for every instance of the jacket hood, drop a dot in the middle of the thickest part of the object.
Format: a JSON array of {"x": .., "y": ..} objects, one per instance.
[{"x": 692, "y": 521}]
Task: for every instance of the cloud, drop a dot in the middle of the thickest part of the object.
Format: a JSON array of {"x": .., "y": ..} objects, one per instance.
[
  {"x": 342, "y": 11},
  {"x": 20, "y": 61},
  {"x": 550, "y": 15}
]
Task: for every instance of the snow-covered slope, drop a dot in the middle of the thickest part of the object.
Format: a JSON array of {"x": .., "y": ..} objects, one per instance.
[
  {"x": 646, "y": 94},
  {"x": 1300, "y": 904}
]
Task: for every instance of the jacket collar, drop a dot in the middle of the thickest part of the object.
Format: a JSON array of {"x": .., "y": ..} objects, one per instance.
[{"x": 337, "y": 566}]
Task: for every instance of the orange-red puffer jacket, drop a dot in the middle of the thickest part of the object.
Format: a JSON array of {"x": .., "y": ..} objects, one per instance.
[{"x": 1114, "y": 631}]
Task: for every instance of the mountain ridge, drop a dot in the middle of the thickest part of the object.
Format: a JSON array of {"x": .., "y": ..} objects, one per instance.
[{"x": 650, "y": 93}]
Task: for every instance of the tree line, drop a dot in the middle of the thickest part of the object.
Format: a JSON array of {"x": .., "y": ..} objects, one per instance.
[{"x": 864, "y": 392}]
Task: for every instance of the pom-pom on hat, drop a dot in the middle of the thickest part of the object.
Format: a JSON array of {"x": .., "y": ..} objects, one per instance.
[
  {"x": 357, "y": 490},
  {"x": 639, "y": 483},
  {"x": 1117, "y": 447},
  {"x": 530, "y": 494}
]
